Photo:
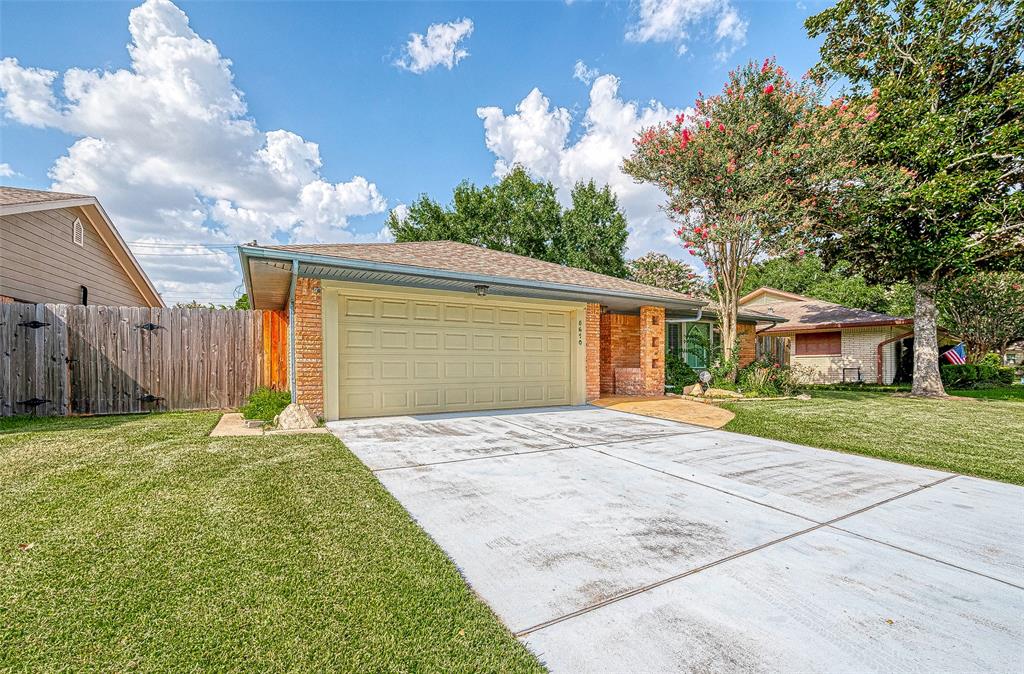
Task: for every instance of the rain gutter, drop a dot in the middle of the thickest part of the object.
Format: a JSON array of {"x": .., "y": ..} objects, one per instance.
[{"x": 446, "y": 275}]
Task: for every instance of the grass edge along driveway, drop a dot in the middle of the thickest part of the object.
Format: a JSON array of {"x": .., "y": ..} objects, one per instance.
[
  {"x": 984, "y": 438},
  {"x": 153, "y": 546}
]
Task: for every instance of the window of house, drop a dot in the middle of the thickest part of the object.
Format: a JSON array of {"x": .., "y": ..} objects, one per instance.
[
  {"x": 819, "y": 344},
  {"x": 78, "y": 233}
]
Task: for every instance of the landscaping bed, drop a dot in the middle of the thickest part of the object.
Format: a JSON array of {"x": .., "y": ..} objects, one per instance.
[{"x": 138, "y": 542}]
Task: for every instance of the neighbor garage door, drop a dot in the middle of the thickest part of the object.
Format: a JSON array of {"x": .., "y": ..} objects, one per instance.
[{"x": 426, "y": 354}]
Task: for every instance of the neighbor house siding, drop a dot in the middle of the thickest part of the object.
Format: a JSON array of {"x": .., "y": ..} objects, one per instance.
[
  {"x": 859, "y": 349},
  {"x": 40, "y": 263}
]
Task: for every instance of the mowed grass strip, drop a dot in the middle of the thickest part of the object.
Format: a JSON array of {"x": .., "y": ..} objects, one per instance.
[
  {"x": 1015, "y": 392},
  {"x": 974, "y": 437},
  {"x": 151, "y": 546}
]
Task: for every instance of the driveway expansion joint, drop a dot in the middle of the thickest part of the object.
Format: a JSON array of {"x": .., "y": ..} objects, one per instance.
[{"x": 742, "y": 553}]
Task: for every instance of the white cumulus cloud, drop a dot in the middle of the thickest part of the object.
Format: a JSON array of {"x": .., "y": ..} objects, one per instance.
[
  {"x": 439, "y": 47},
  {"x": 170, "y": 150},
  {"x": 537, "y": 137},
  {"x": 6, "y": 171},
  {"x": 673, "y": 20},
  {"x": 582, "y": 72}
]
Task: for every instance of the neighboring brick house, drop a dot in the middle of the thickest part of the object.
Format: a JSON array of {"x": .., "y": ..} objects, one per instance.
[
  {"x": 401, "y": 328},
  {"x": 832, "y": 343},
  {"x": 63, "y": 249}
]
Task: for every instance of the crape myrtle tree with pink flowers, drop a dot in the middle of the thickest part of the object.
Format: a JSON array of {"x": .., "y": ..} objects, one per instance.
[{"x": 753, "y": 169}]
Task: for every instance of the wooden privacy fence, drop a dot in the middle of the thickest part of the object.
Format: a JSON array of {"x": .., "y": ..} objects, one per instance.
[{"x": 58, "y": 359}]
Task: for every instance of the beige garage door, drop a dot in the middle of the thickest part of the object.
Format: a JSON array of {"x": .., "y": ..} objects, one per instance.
[{"x": 420, "y": 355}]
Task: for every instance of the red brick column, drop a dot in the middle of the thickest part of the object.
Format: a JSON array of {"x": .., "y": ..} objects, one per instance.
[
  {"x": 748, "y": 344},
  {"x": 309, "y": 346},
  {"x": 652, "y": 350},
  {"x": 593, "y": 351}
]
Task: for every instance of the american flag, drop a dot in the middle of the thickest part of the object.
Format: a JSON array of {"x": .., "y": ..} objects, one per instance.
[{"x": 956, "y": 355}]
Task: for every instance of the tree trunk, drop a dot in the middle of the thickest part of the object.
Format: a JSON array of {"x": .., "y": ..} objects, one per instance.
[
  {"x": 727, "y": 328},
  {"x": 927, "y": 380}
]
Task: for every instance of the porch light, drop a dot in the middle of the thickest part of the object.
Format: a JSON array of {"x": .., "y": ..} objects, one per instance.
[{"x": 481, "y": 289}]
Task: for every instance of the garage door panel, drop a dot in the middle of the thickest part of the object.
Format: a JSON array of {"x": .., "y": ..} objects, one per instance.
[
  {"x": 533, "y": 319},
  {"x": 426, "y": 341},
  {"x": 558, "y": 319},
  {"x": 534, "y": 343},
  {"x": 401, "y": 356},
  {"x": 456, "y": 340},
  {"x": 483, "y": 315},
  {"x": 483, "y": 342},
  {"x": 509, "y": 394},
  {"x": 354, "y": 307},
  {"x": 391, "y": 338},
  {"x": 358, "y": 338},
  {"x": 456, "y": 313},
  {"x": 426, "y": 311},
  {"x": 394, "y": 309}
]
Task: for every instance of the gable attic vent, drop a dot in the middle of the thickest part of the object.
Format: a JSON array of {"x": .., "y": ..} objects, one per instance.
[{"x": 78, "y": 233}]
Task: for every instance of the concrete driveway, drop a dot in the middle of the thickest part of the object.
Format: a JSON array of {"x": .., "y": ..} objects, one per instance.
[{"x": 609, "y": 542}]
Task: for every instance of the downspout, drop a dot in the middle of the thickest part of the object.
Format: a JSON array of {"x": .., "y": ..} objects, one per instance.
[{"x": 291, "y": 329}]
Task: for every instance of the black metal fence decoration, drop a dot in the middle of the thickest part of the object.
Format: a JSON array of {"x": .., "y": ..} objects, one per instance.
[{"x": 33, "y": 402}]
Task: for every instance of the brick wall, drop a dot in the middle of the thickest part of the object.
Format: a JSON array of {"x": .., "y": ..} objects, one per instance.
[
  {"x": 652, "y": 350},
  {"x": 859, "y": 350},
  {"x": 747, "y": 334},
  {"x": 620, "y": 347},
  {"x": 629, "y": 381},
  {"x": 309, "y": 343},
  {"x": 594, "y": 338},
  {"x": 4, "y": 299}
]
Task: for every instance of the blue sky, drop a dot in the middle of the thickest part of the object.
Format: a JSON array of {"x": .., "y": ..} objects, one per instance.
[{"x": 187, "y": 151}]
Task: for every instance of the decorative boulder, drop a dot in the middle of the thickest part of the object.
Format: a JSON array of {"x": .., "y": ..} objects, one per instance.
[{"x": 295, "y": 417}]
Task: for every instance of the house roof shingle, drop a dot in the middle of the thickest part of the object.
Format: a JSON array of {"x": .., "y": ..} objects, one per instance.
[
  {"x": 818, "y": 315},
  {"x": 14, "y": 196},
  {"x": 469, "y": 259}
]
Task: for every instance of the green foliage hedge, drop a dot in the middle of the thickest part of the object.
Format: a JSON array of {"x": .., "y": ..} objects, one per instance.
[
  {"x": 266, "y": 403},
  {"x": 973, "y": 376},
  {"x": 767, "y": 377},
  {"x": 678, "y": 373}
]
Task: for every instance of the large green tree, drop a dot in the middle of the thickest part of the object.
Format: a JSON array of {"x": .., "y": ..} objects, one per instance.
[
  {"x": 809, "y": 275},
  {"x": 985, "y": 310},
  {"x": 593, "y": 232},
  {"x": 756, "y": 167},
  {"x": 661, "y": 271},
  {"x": 523, "y": 216},
  {"x": 945, "y": 77}
]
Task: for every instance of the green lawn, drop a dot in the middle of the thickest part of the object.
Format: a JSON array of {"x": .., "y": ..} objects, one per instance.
[
  {"x": 155, "y": 547},
  {"x": 974, "y": 437}
]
